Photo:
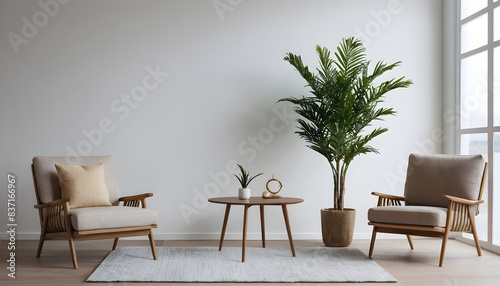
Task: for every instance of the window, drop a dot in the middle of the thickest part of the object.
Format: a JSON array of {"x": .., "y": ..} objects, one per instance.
[{"x": 479, "y": 99}]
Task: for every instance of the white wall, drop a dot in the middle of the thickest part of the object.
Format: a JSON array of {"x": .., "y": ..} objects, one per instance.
[{"x": 225, "y": 73}]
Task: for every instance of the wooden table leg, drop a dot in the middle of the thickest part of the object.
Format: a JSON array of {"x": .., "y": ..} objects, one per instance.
[
  {"x": 245, "y": 221},
  {"x": 226, "y": 216},
  {"x": 262, "y": 226},
  {"x": 287, "y": 223}
]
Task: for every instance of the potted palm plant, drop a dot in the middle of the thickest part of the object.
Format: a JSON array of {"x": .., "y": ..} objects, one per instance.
[{"x": 333, "y": 119}]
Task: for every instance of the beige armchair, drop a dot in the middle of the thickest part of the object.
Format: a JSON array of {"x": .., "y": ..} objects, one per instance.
[
  {"x": 60, "y": 221},
  {"x": 442, "y": 194}
]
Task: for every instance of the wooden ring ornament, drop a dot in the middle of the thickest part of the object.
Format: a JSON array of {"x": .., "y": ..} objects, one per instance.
[{"x": 267, "y": 186}]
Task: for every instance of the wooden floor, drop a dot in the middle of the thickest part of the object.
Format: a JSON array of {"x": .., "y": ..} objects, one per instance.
[{"x": 419, "y": 267}]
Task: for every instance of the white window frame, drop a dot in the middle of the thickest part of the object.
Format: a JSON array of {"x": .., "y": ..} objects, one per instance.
[{"x": 455, "y": 70}]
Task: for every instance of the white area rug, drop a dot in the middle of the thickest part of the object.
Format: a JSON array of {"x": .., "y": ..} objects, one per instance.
[{"x": 207, "y": 264}]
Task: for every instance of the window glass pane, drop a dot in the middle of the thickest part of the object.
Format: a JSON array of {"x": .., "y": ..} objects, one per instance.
[
  {"x": 469, "y": 7},
  {"x": 496, "y": 24},
  {"x": 496, "y": 189},
  {"x": 474, "y": 91},
  {"x": 472, "y": 144},
  {"x": 496, "y": 86},
  {"x": 474, "y": 34}
]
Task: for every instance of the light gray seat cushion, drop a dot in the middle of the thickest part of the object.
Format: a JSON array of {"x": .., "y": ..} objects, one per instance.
[
  {"x": 111, "y": 217},
  {"x": 409, "y": 215}
]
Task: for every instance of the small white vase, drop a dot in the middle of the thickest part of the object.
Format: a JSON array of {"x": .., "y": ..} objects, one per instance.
[{"x": 244, "y": 193}]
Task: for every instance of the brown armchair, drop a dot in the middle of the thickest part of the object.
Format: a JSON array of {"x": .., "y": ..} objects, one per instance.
[
  {"x": 61, "y": 222},
  {"x": 442, "y": 194}
]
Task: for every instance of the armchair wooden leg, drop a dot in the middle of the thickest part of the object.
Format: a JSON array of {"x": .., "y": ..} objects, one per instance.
[
  {"x": 476, "y": 240},
  {"x": 42, "y": 238},
  {"x": 73, "y": 252},
  {"x": 446, "y": 232},
  {"x": 152, "y": 243},
  {"x": 372, "y": 243},
  {"x": 40, "y": 244},
  {"x": 410, "y": 241},
  {"x": 115, "y": 244},
  {"x": 70, "y": 235},
  {"x": 443, "y": 246},
  {"x": 474, "y": 233}
]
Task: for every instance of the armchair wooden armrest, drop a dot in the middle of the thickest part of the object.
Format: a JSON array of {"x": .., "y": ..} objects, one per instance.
[
  {"x": 388, "y": 200},
  {"x": 59, "y": 202},
  {"x": 134, "y": 201},
  {"x": 51, "y": 218},
  {"x": 393, "y": 197},
  {"x": 136, "y": 197},
  {"x": 463, "y": 201}
]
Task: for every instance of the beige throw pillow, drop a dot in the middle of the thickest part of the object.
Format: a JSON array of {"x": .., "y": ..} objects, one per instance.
[{"x": 85, "y": 185}]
